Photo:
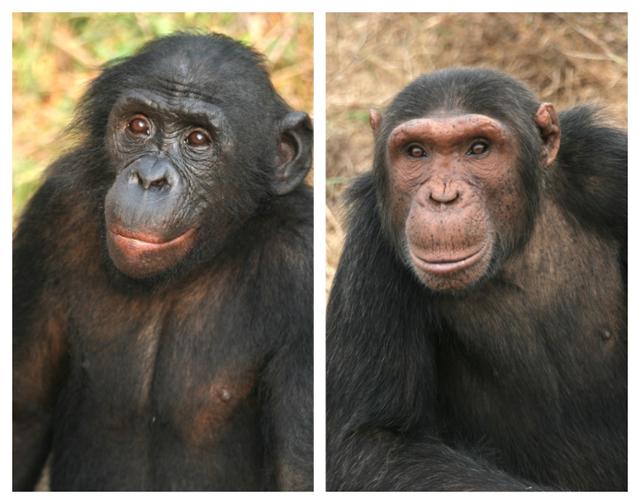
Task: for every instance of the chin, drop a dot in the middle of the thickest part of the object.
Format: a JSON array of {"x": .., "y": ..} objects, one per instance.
[{"x": 141, "y": 258}]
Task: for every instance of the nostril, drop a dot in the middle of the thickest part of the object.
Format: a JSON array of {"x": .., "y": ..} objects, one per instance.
[
  {"x": 148, "y": 182},
  {"x": 134, "y": 178},
  {"x": 157, "y": 184},
  {"x": 153, "y": 173}
]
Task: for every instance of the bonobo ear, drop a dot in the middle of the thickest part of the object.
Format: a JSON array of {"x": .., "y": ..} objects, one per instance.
[
  {"x": 295, "y": 152},
  {"x": 547, "y": 120},
  {"x": 374, "y": 120}
]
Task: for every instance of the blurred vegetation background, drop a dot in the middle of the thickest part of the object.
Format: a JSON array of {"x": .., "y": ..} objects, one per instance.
[
  {"x": 564, "y": 58},
  {"x": 55, "y": 56}
]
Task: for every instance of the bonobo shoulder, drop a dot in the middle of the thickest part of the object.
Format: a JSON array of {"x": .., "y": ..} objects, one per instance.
[{"x": 291, "y": 229}]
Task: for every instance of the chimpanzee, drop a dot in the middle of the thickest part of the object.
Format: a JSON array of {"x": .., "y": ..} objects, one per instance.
[
  {"x": 477, "y": 323},
  {"x": 163, "y": 283}
]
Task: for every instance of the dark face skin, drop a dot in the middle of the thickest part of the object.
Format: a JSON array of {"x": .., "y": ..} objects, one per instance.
[
  {"x": 186, "y": 176},
  {"x": 455, "y": 190},
  {"x": 151, "y": 214}
]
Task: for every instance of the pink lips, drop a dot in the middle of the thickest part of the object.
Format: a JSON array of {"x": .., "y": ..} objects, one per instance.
[
  {"x": 439, "y": 265},
  {"x": 139, "y": 243},
  {"x": 140, "y": 255}
]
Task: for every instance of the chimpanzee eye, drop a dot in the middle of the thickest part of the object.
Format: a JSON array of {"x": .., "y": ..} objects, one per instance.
[
  {"x": 139, "y": 125},
  {"x": 478, "y": 148},
  {"x": 415, "y": 151},
  {"x": 198, "y": 138}
]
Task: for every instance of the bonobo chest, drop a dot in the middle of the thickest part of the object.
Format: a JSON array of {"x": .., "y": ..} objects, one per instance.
[{"x": 168, "y": 359}]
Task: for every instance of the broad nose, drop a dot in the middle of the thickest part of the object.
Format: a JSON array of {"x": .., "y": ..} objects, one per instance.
[
  {"x": 152, "y": 173},
  {"x": 444, "y": 193}
]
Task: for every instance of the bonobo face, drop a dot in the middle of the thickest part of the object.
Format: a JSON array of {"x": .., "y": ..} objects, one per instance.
[
  {"x": 198, "y": 140},
  {"x": 186, "y": 179},
  {"x": 161, "y": 153},
  {"x": 454, "y": 191}
]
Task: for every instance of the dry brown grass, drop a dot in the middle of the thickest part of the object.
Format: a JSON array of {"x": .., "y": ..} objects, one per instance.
[{"x": 564, "y": 58}]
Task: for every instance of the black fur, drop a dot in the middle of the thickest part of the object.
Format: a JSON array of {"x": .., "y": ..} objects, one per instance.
[
  {"x": 505, "y": 387},
  {"x": 196, "y": 379}
]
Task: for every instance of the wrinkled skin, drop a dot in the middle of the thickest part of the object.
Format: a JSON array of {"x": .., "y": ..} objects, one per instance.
[
  {"x": 454, "y": 190},
  {"x": 160, "y": 148}
]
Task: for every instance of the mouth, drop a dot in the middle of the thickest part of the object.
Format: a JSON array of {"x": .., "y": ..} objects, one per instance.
[
  {"x": 139, "y": 254},
  {"x": 143, "y": 242},
  {"x": 445, "y": 265}
]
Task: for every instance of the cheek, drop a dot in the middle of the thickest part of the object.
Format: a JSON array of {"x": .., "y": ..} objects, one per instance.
[
  {"x": 406, "y": 174},
  {"x": 114, "y": 139},
  {"x": 121, "y": 152},
  {"x": 507, "y": 202},
  {"x": 399, "y": 208},
  {"x": 403, "y": 186},
  {"x": 113, "y": 151}
]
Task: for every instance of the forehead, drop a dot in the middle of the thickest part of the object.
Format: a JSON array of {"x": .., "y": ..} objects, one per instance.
[
  {"x": 447, "y": 128},
  {"x": 201, "y": 63},
  {"x": 197, "y": 76},
  {"x": 187, "y": 85},
  {"x": 173, "y": 104}
]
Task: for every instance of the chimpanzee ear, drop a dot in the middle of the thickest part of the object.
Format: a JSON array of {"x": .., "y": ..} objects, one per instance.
[
  {"x": 547, "y": 120},
  {"x": 374, "y": 120},
  {"x": 295, "y": 152}
]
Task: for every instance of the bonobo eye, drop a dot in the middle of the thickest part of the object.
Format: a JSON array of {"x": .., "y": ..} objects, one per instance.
[
  {"x": 139, "y": 125},
  {"x": 415, "y": 151},
  {"x": 198, "y": 138},
  {"x": 478, "y": 148}
]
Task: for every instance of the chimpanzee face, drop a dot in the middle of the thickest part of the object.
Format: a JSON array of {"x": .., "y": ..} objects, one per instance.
[{"x": 456, "y": 195}]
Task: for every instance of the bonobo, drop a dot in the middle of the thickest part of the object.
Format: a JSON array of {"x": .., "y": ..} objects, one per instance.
[
  {"x": 477, "y": 323},
  {"x": 163, "y": 284}
]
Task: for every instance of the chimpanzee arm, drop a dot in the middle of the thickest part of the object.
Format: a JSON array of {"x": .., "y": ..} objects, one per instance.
[
  {"x": 39, "y": 341},
  {"x": 381, "y": 388},
  {"x": 288, "y": 377},
  {"x": 388, "y": 461}
]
